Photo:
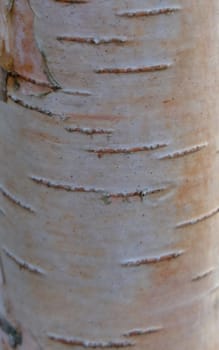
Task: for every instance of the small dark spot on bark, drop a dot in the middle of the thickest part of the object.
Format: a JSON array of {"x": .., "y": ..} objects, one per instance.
[{"x": 106, "y": 199}]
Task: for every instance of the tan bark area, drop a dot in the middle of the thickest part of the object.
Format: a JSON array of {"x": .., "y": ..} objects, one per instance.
[{"x": 109, "y": 175}]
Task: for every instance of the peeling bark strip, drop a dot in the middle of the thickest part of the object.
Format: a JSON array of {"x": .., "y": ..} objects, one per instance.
[
  {"x": 136, "y": 332},
  {"x": 73, "y": 341},
  {"x": 21, "y": 55},
  {"x": 203, "y": 275},
  {"x": 15, "y": 200},
  {"x": 14, "y": 335},
  {"x": 184, "y": 152},
  {"x": 47, "y": 71},
  {"x": 146, "y": 13},
  {"x": 89, "y": 131},
  {"x": 198, "y": 219},
  {"x": 127, "y": 150},
  {"x": 23, "y": 264},
  {"x": 128, "y": 70},
  {"x": 86, "y": 189},
  {"x": 93, "y": 40},
  {"x": 153, "y": 259}
]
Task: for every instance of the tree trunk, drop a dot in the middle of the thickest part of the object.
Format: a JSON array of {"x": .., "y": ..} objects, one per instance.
[{"x": 109, "y": 174}]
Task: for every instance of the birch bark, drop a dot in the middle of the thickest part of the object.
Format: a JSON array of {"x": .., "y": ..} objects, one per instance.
[{"x": 109, "y": 174}]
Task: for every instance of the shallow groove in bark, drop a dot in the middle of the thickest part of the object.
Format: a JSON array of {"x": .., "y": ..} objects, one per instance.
[
  {"x": 135, "y": 262},
  {"x": 138, "y": 193},
  {"x": 89, "y": 131},
  {"x": 93, "y": 40},
  {"x": 26, "y": 105},
  {"x": 74, "y": 341},
  {"x": 22, "y": 263},
  {"x": 198, "y": 219},
  {"x": 140, "y": 331},
  {"x": 65, "y": 186},
  {"x": 184, "y": 152},
  {"x": 16, "y": 200},
  {"x": 63, "y": 117},
  {"x": 87, "y": 189},
  {"x": 76, "y": 92},
  {"x": 149, "y": 12},
  {"x": 73, "y": 1},
  {"x": 203, "y": 275},
  {"x": 134, "y": 70},
  {"x": 127, "y": 149}
]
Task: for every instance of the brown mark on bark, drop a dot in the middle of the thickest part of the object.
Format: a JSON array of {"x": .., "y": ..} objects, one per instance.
[{"x": 72, "y": 117}]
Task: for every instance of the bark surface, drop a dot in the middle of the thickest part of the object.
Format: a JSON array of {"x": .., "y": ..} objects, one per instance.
[{"x": 109, "y": 195}]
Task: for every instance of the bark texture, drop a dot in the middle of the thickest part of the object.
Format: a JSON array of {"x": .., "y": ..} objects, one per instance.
[{"x": 109, "y": 174}]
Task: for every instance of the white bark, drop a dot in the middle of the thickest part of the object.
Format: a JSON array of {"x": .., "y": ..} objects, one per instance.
[{"x": 109, "y": 174}]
